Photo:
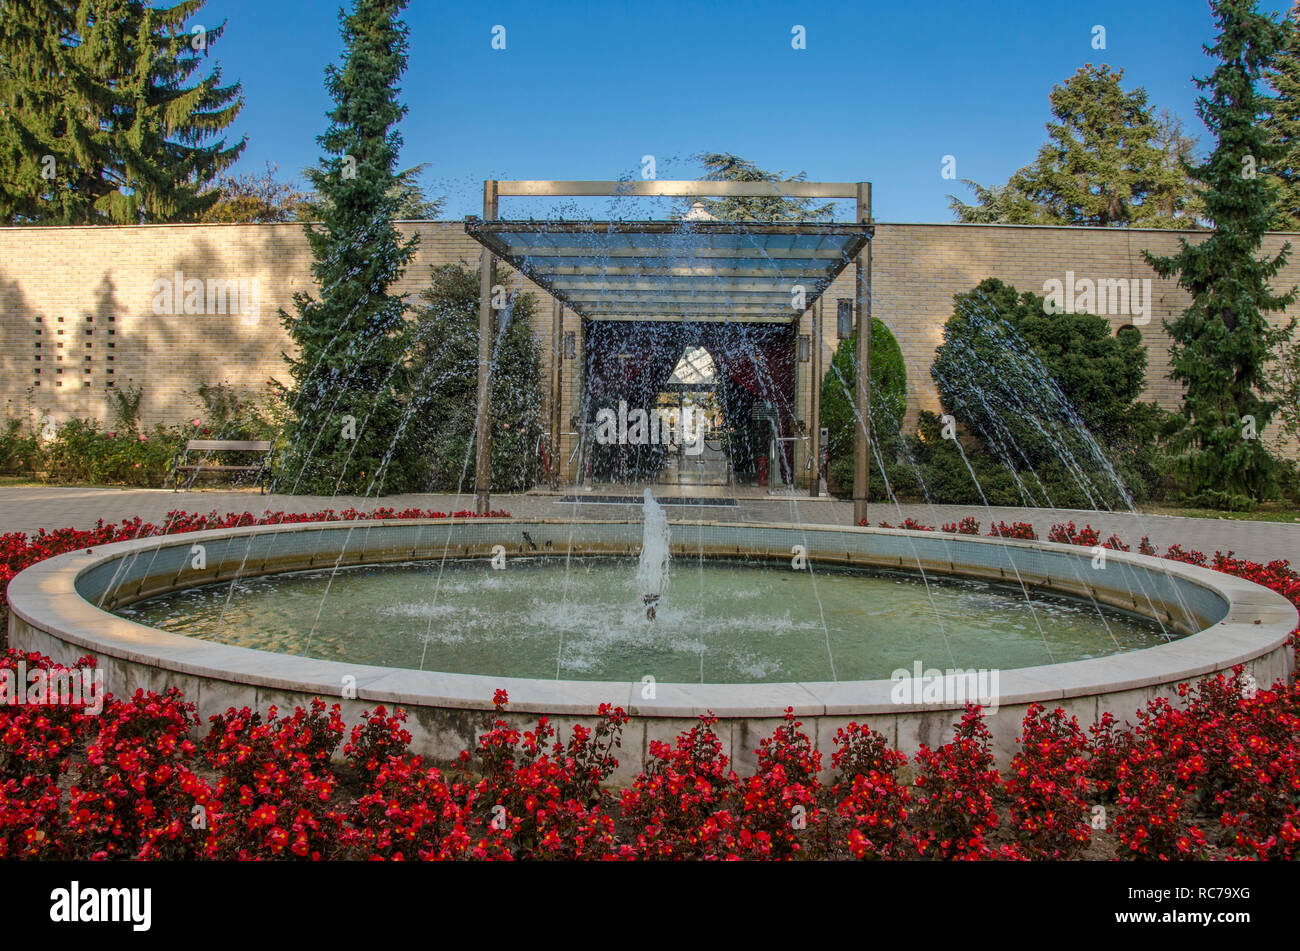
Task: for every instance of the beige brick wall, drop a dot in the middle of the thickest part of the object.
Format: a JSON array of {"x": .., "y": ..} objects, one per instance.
[{"x": 89, "y": 291}]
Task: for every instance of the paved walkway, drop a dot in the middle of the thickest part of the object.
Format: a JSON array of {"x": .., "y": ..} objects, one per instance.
[{"x": 28, "y": 508}]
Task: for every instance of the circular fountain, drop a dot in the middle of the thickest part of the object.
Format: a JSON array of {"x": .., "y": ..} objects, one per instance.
[{"x": 896, "y": 628}]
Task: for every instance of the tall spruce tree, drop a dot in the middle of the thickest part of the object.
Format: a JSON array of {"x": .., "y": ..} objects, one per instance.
[
  {"x": 350, "y": 369},
  {"x": 102, "y": 118},
  {"x": 1283, "y": 124},
  {"x": 1103, "y": 164},
  {"x": 1222, "y": 342}
]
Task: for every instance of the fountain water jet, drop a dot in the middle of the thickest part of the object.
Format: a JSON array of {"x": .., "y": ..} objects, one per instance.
[{"x": 652, "y": 567}]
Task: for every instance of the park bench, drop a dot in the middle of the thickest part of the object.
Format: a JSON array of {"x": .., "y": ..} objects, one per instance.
[{"x": 262, "y": 467}]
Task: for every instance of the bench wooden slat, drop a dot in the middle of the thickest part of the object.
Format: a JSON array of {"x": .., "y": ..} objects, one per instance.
[
  {"x": 230, "y": 445},
  {"x": 199, "y": 446}
]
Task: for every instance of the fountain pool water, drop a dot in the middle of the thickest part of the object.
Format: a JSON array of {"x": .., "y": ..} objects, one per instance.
[
  {"x": 758, "y": 622},
  {"x": 281, "y": 614}
]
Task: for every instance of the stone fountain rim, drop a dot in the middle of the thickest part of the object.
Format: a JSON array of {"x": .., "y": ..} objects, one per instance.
[{"x": 44, "y": 597}]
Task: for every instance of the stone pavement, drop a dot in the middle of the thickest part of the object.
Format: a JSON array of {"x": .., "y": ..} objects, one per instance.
[{"x": 28, "y": 508}]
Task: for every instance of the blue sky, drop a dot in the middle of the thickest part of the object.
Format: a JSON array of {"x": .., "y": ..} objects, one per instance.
[{"x": 882, "y": 92}]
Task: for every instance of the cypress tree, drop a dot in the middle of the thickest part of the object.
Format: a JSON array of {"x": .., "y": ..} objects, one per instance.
[
  {"x": 1222, "y": 342},
  {"x": 351, "y": 364}
]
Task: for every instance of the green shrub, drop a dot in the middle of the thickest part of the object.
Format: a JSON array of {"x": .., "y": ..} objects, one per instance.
[
  {"x": 1023, "y": 382},
  {"x": 444, "y": 371},
  {"x": 20, "y": 450},
  {"x": 230, "y": 414},
  {"x": 888, "y": 404},
  {"x": 83, "y": 452}
]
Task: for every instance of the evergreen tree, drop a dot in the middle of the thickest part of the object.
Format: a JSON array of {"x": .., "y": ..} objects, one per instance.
[
  {"x": 1103, "y": 164},
  {"x": 1007, "y": 204},
  {"x": 99, "y": 124},
  {"x": 444, "y": 373},
  {"x": 412, "y": 202},
  {"x": 1222, "y": 342},
  {"x": 888, "y": 394},
  {"x": 1181, "y": 203},
  {"x": 725, "y": 167},
  {"x": 351, "y": 365},
  {"x": 1283, "y": 124}
]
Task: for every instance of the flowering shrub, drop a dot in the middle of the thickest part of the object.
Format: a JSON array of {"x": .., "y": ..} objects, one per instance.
[
  {"x": 780, "y": 816},
  {"x": 137, "y": 790},
  {"x": 540, "y": 798},
  {"x": 683, "y": 805},
  {"x": 274, "y": 787},
  {"x": 375, "y": 740},
  {"x": 911, "y": 524},
  {"x": 967, "y": 526},
  {"x": 35, "y": 744},
  {"x": 410, "y": 811},
  {"x": 1109, "y": 747},
  {"x": 82, "y": 451},
  {"x": 955, "y": 784},
  {"x": 1154, "y": 788},
  {"x": 869, "y": 798},
  {"x": 1015, "y": 530},
  {"x": 1049, "y": 785},
  {"x": 1068, "y": 534}
]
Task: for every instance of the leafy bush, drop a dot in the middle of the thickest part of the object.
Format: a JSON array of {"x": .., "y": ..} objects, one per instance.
[
  {"x": 82, "y": 451},
  {"x": 230, "y": 414},
  {"x": 444, "y": 374},
  {"x": 20, "y": 450},
  {"x": 1026, "y": 383},
  {"x": 1049, "y": 785},
  {"x": 888, "y": 396}
]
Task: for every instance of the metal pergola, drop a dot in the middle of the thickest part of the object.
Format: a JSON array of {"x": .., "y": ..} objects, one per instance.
[
  {"x": 684, "y": 270},
  {"x": 670, "y": 270}
]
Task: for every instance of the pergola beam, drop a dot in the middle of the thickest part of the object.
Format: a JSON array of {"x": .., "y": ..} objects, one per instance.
[{"x": 676, "y": 189}]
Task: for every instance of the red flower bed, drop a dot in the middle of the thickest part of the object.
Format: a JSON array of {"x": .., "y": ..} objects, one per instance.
[
  {"x": 911, "y": 524},
  {"x": 1216, "y": 774},
  {"x": 1021, "y": 530},
  {"x": 1211, "y": 772}
]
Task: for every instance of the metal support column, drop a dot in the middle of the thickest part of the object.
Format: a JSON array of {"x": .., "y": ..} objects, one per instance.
[
  {"x": 815, "y": 412},
  {"x": 557, "y": 357},
  {"x": 862, "y": 368},
  {"x": 483, "y": 420}
]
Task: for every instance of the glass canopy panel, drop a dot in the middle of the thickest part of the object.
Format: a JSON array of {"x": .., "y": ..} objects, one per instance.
[{"x": 673, "y": 270}]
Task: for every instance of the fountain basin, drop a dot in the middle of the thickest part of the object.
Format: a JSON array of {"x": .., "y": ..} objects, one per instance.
[{"x": 61, "y": 608}]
